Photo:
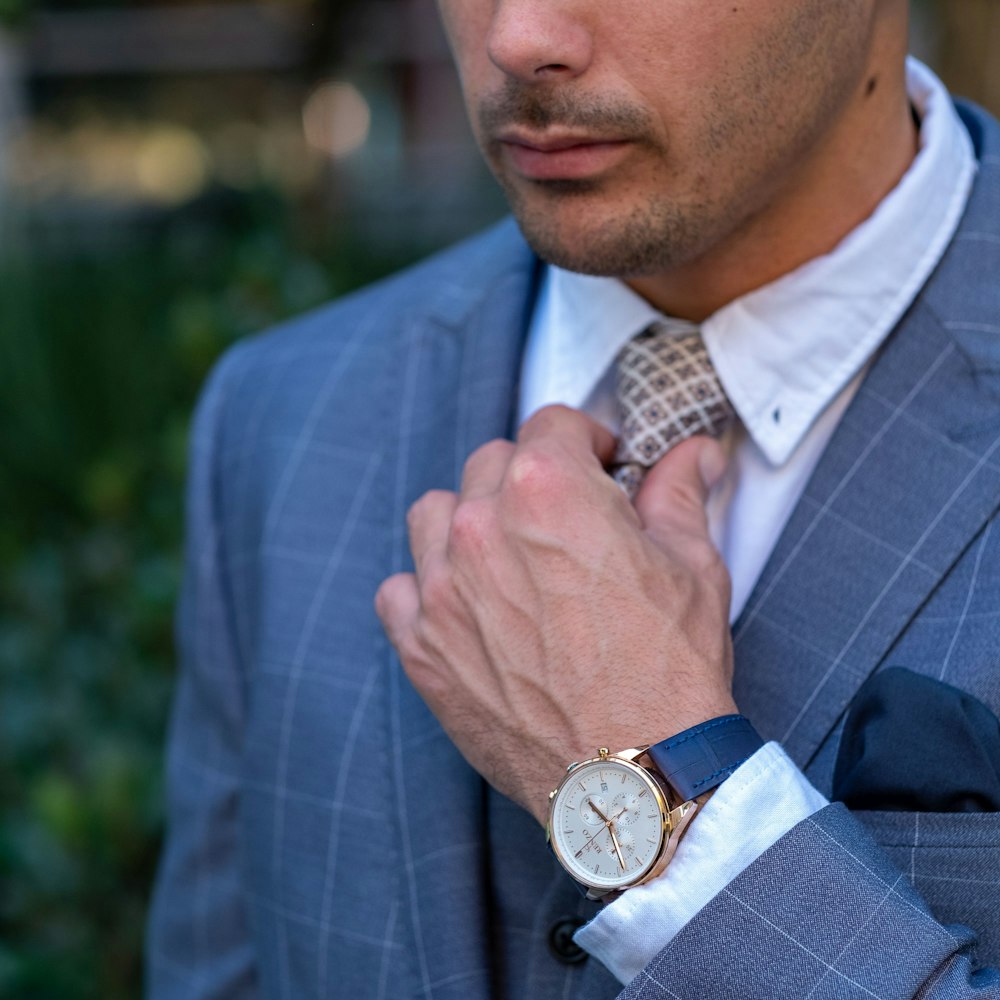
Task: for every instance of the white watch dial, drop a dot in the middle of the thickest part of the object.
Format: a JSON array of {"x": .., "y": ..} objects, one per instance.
[{"x": 607, "y": 823}]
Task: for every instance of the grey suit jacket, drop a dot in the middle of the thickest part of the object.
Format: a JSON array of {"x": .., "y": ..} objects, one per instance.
[{"x": 327, "y": 840}]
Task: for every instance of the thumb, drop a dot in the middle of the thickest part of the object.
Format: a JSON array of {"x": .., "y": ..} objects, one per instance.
[{"x": 672, "y": 499}]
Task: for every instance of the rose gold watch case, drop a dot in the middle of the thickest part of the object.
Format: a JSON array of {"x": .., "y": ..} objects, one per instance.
[{"x": 673, "y": 821}]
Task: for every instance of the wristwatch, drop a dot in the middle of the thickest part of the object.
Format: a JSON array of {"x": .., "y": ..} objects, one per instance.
[{"x": 616, "y": 819}]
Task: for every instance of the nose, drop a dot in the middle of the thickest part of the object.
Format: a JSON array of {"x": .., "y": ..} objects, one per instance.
[{"x": 537, "y": 42}]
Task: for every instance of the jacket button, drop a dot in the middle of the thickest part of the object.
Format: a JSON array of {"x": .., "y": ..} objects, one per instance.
[{"x": 561, "y": 942}]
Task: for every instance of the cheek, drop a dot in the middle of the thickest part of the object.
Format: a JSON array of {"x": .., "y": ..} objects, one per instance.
[
  {"x": 689, "y": 56},
  {"x": 682, "y": 61},
  {"x": 476, "y": 74},
  {"x": 750, "y": 78},
  {"x": 467, "y": 26}
]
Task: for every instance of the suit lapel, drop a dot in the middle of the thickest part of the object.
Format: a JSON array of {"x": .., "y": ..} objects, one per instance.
[
  {"x": 454, "y": 385},
  {"x": 910, "y": 476}
]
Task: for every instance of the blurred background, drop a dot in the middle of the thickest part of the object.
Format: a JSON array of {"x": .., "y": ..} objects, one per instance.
[{"x": 173, "y": 176}]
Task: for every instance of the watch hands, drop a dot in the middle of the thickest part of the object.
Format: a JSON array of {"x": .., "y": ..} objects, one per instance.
[
  {"x": 604, "y": 819},
  {"x": 609, "y": 825},
  {"x": 618, "y": 847}
]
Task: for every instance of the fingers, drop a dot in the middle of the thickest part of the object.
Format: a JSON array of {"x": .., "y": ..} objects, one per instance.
[
  {"x": 485, "y": 469},
  {"x": 573, "y": 429},
  {"x": 397, "y": 603},
  {"x": 429, "y": 524},
  {"x": 671, "y": 501},
  {"x": 431, "y": 520}
]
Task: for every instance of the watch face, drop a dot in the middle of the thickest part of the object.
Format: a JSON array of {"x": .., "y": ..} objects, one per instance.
[{"x": 607, "y": 823}]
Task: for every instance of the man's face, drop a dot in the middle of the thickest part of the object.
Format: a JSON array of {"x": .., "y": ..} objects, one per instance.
[{"x": 634, "y": 136}]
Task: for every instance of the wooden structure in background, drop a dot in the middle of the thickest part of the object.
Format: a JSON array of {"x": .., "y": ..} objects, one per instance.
[
  {"x": 968, "y": 48},
  {"x": 194, "y": 38}
]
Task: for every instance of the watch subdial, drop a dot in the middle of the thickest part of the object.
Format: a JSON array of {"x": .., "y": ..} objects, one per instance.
[
  {"x": 626, "y": 841},
  {"x": 624, "y": 809},
  {"x": 588, "y": 812}
]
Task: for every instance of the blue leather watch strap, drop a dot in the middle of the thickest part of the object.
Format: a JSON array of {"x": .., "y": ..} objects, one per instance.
[{"x": 698, "y": 759}]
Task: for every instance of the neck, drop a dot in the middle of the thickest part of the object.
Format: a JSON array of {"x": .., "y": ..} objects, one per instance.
[{"x": 834, "y": 189}]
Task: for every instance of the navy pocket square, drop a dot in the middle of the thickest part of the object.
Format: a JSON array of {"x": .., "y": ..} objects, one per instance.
[{"x": 917, "y": 744}]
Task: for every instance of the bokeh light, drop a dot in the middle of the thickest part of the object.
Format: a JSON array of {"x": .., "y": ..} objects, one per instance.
[{"x": 336, "y": 119}]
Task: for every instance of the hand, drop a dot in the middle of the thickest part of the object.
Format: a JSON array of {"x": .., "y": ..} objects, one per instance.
[{"x": 548, "y": 616}]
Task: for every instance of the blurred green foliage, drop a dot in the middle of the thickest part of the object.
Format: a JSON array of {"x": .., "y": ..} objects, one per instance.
[
  {"x": 102, "y": 350},
  {"x": 15, "y": 12}
]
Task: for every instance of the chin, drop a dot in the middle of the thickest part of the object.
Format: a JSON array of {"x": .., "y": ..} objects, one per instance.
[
  {"x": 624, "y": 249},
  {"x": 587, "y": 235}
]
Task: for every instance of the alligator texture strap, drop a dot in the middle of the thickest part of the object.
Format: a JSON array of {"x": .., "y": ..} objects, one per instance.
[{"x": 695, "y": 761}]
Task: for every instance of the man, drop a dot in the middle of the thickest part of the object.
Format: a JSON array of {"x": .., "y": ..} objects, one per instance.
[{"x": 767, "y": 184}]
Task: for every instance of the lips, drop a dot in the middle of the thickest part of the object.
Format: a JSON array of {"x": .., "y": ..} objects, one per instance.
[{"x": 563, "y": 156}]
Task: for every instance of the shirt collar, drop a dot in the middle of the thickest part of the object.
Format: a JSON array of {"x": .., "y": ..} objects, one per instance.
[{"x": 784, "y": 351}]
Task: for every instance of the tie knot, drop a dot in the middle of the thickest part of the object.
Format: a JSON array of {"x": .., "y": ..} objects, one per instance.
[{"x": 667, "y": 391}]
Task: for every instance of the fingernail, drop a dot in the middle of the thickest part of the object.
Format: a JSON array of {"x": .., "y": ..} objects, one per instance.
[{"x": 711, "y": 463}]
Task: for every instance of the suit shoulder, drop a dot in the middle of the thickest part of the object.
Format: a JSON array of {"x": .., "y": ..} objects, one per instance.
[
  {"x": 442, "y": 285},
  {"x": 273, "y": 374},
  {"x": 964, "y": 293}
]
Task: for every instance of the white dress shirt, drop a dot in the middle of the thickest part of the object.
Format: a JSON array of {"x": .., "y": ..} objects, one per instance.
[{"x": 790, "y": 356}]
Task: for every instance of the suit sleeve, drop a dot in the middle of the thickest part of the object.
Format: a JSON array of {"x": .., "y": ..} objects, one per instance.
[
  {"x": 822, "y": 914},
  {"x": 198, "y": 943}
]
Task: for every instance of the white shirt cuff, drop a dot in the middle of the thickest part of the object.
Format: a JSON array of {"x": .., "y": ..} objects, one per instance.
[{"x": 754, "y": 808}]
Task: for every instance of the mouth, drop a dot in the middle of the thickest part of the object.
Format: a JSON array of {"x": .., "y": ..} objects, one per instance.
[{"x": 560, "y": 155}]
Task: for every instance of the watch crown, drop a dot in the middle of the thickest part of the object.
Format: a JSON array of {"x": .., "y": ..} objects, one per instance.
[{"x": 603, "y": 752}]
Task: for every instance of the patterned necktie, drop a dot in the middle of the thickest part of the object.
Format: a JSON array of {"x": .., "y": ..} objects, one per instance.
[{"x": 667, "y": 391}]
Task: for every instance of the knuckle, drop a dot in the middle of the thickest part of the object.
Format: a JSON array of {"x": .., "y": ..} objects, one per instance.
[
  {"x": 681, "y": 497},
  {"x": 537, "y": 474},
  {"x": 471, "y": 526},
  {"x": 677, "y": 510},
  {"x": 705, "y": 561},
  {"x": 485, "y": 465},
  {"x": 492, "y": 451},
  {"x": 423, "y": 505},
  {"x": 550, "y": 418},
  {"x": 703, "y": 558}
]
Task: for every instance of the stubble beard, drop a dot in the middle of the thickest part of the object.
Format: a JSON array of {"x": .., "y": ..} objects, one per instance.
[
  {"x": 650, "y": 238},
  {"x": 659, "y": 234}
]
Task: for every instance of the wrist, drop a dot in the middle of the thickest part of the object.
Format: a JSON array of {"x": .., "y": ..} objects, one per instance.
[
  {"x": 699, "y": 711},
  {"x": 615, "y": 820}
]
